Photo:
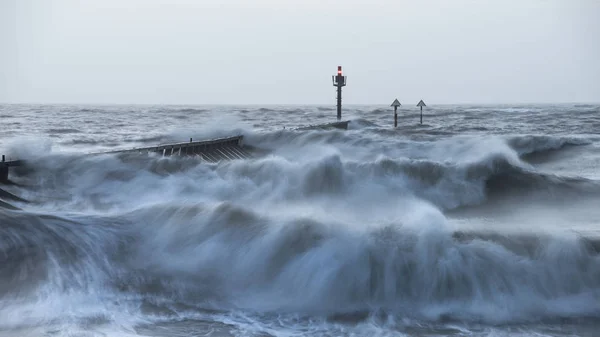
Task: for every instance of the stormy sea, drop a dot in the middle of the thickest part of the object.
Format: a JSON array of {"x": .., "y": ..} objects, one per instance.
[{"x": 482, "y": 221}]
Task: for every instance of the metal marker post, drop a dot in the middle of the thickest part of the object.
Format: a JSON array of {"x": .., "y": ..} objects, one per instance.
[
  {"x": 396, "y": 104},
  {"x": 421, "y": 104},
  {"x": 339, "y": 81}
]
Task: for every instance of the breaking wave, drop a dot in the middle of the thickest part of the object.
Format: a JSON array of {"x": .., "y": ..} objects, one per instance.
[
  {"x": 328, "y": 173},
  {"x": 344, "y": 225},
  {"x": 224, "y": 256}
]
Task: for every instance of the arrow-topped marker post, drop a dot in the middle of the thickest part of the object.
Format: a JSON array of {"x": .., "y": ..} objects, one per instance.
[
  {"x": 421, "y": 104},
  {"x": 396, "y": 104}
]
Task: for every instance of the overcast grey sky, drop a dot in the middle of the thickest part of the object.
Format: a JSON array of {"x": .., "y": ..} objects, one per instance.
[{"x": 285, "y": 51}]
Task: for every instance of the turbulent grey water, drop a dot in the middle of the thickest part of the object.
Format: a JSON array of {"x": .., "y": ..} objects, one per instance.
[{"x": 483, "y": 221}]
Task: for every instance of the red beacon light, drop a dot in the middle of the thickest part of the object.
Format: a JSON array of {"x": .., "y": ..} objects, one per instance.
[{"x": 339, "y": 79}]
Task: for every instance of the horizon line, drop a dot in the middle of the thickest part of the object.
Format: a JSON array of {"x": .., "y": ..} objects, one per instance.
[{"x": 297, "y": 104}]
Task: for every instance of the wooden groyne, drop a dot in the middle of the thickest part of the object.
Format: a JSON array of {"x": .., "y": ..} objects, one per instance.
[
  {"x": 5, "y": 165},
  {"x": 337, "y": 125},
  {"x": 212, "y": 150}
]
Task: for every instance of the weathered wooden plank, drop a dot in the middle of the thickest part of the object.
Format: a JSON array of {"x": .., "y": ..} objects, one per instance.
[
  {"x": 338, "y": 125},
  {"x": 235, "y": 140}
]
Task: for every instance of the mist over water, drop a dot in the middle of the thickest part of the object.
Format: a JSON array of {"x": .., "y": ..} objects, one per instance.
[{"x": 483, "y": 221}]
